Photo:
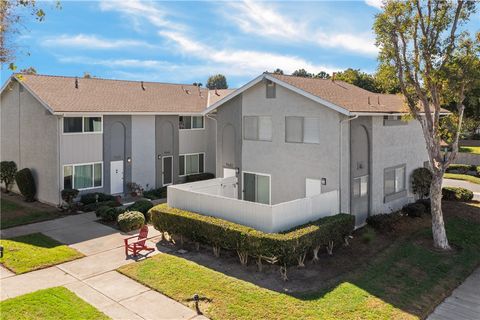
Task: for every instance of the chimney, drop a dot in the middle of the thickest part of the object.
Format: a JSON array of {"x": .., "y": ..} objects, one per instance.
[
  {"x": 378, "y": 100},
  {"x": 216, "y": 92},
  {"x": 76, "y": 82},
  {"x": 333, "y": 76},
  {"x": 143, "y": 87},
  {"x": 368, "y": 100}
]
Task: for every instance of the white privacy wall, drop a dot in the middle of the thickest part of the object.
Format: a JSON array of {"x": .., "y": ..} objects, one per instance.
[
  {"x": 211, "y": 197},
  {"x": 143, "y": 151}
]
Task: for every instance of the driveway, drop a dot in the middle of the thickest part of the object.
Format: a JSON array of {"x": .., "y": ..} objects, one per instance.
[
  {"x": 94, "y": 278},
  {"x": 464, "y": 184}
]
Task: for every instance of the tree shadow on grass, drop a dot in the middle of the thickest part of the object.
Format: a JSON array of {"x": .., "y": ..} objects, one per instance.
[{"x": 37, "y": 240}]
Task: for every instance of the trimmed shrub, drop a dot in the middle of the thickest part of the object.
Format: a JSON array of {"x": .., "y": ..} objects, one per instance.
[
  {"x": 8, "y": 169},
  {"x": 94, "y": 206},
  {"x": 92, "y": 197},
  {"x": 142, "y": 206},
  {"x": 456, "y": 194},
  {"x": 384, "y": 222},
  {"x": 153, "y": 194},
  {"x": 26, "y": 184},
  {"x": 108, "y": 213},
  {"x": 414, "y": 210},
  {"x": 199, "y": 177},
  {"x": 460, "y": 168},
  {"x": 427, "y": 204},
  {"x": 69, "y": 194},
  {"x": 286, "y": 247},
  {"x": 421, "y": 181},
  {"x": 130, "y": 220}
]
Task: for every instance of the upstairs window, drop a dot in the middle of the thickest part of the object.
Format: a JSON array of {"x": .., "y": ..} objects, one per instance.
[
  {"x": 257, "y": 128},
  {"x": 302, "y": 130},
  {"x": 271, "y": 89},
  {"x": 190, "y": 122},
  {"x": 82, "y": 124}
]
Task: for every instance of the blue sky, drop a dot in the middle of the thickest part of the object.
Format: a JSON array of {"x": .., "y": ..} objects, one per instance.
[{"x": 185, "y": 42}]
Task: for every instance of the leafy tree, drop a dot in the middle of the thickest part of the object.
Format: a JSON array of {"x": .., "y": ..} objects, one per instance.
[
  {"x": 217, "y": 81},
  {"x": 278, "y": 71},
  {"x": 431, "y": 57},
  {"x": 29, "y": 70},
  {"x": 10, "y": 22},
  {"x": 197, "y": 84},
  {"x": 358, "y": 78},
  {"x": 8, "y": 169},
  {"x": 322, "y": 75},
  {"x": 386, "y": 80},
  {"x": 87, "y": 75},
  {"x": 302, "y": 73}
]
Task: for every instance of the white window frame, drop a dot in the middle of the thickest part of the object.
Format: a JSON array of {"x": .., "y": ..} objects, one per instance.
[
  {"x": 258, "y": 127},
  {"x": 185, "y": 162},
  {"x": 73, "y": 165},
  {"x": 83, "y": 124},
  {"x": 394, "y": 120},
  {"x": 191, "y": 122},
  {"x": 269, "y": 186},
  {"x": 400, "y": 193},
  {"x": 303, "y": 130}
]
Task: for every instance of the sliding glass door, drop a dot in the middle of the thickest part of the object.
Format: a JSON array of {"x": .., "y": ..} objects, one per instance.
[{"x": 256, "y": 188}]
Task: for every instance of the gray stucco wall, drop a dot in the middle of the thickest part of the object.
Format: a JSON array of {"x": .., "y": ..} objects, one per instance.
[
  {"x": 116, "y": 148},
  {"x": 143, "y": 151},
  {"x": 229, "y": 137},
  {"x": 29, "y": 136},
  {"x": 166, "y": 144},
  {"x": 200, "y": 140},
  {"x": 392, "y": 146},
  {"x": 289, "y": 164}
]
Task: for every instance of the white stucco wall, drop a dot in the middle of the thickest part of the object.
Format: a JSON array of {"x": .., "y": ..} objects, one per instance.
[
  {"x": 392, "y": 146},
  {"x": 289, "y": 164},
  {"x": 143, "y": 151}
]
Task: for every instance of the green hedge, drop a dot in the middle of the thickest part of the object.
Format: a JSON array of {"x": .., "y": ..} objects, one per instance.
[
  {"x": 463, "y": 169},
  {"x": 160, "y": 193},
  {"x": 456, "y": 194},
  {"x": 93, "y": 197},
  {"x": 285, "y": 247},
  {"x": 26, "y": 184}
]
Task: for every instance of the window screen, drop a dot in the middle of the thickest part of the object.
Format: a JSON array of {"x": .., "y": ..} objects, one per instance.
[
  {"x": 394, "y": 180},
  {"x": 265, "y": 128},
  {"x": 293, "y": 129},
  {"x": 251, "y": 128},
  {"x": 197, "y": 122},
  {"x": 72, "y": 124},
  {"x": 311, "y": 130},
  {"x": 92, "y": 124}
]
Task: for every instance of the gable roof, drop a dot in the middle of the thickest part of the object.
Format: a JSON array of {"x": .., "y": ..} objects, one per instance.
[
  {"x": 93, "y": 95},
  {"x": 337, "y": 95}
]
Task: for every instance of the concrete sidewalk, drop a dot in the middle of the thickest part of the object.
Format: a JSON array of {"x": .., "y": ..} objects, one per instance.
[
  {"x": 94, "y": 278},
  {"x": 463, "y": 304}
]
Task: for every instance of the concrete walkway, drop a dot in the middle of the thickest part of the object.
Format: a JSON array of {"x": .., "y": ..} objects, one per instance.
[
  {"x": 475, "y": 188},
  {"x": 463, "y": 304},
  {"x": 94, "y": 278}
]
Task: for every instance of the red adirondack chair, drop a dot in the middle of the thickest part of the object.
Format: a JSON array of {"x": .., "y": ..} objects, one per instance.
[{"x": 136, "y": 246}]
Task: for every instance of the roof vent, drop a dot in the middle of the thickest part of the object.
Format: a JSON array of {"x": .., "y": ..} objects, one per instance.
[
  {"x": 143, "y": 87},
  {"x": 378, "y": 99},
  {"x": 186, "y": 90},
  {"x": 216, "y": 92},
  {"x": 76, "y": 82},
  {"x": 368, "y": 100}
]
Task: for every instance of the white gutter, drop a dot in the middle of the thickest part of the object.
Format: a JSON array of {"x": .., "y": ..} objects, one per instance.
[
  {"x": 340, "y": 160},
  {"x": 388, "y": 114}
]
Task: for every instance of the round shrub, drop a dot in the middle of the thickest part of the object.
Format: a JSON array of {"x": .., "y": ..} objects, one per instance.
[
  {"x": 69, "y": 194},
  {"x": 141, "y": 205},
  {"x": 26, "y": 184},
  {"x": 107, "y": 213},
  {"x": 8, "y": 169},
  {"x": 130, "y": 220},
  {"x": 456, "y": 194},
  {"x": 414, "y": 209},
  {"x": 421, "y": 181}
]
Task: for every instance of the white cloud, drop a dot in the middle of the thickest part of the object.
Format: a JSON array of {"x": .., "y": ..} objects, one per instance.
[
  {"x": 92, "y": 42},
  {"x": 375, "y": 3},
  {"x": 263, "y": 20},
  {"x": 242, "y": 62},
  {"x": 140, "y": 11},
  {"x": 128, "y": 63}
]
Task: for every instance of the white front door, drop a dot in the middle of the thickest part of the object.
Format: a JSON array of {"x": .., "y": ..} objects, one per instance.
[{"x": 116, "y": 177}]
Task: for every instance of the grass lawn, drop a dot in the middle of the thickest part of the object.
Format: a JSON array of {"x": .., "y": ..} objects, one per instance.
[
  {"x": 35, "y": 251},
  {"x": 475, "y": 150},
  {"x": 55, "y": 303},
  {"x": 464, "y": 177},
  {"x": 404, "y": 281},
  {"x": 15, "y": 214}
]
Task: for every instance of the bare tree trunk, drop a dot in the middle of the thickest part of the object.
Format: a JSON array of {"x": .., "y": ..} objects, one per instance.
[{"x": 440, "y": 240}]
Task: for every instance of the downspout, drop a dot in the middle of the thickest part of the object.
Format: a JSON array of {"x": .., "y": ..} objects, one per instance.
[
  {"x": 60, "y": 167},
  {"x": 216, "y": 129},
  {"x": 340, "y": 159}
]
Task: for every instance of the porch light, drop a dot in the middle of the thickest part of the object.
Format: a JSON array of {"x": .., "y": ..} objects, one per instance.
[
  {"x": 324, "y": 181},
  {"x": 129, "y": 160}
]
